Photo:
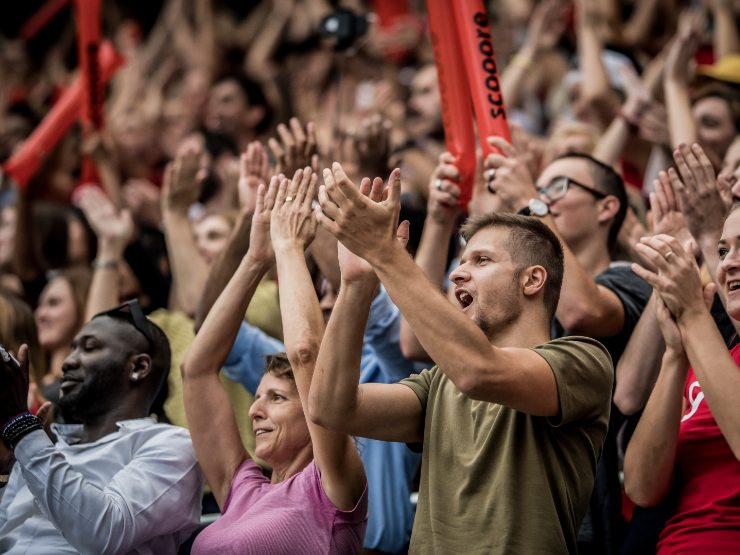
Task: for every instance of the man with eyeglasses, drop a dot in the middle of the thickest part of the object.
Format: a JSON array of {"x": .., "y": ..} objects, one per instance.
[
  {"x": 584, "y": 201},
  {"x": 115, "y": 481}
]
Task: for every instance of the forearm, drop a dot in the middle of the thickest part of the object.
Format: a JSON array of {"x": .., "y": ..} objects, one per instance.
[
  {"x": 104, "y": 293},
  {"x": 639, "y": 364},
  {"x": 611, "y": 144},
  {"x": 223, "y": 268},
  {"x": 189, "y": 270},
  {"x": 594, "y": 80},
  {"x": 515, "y": 75},
  {"x": 303, "y": 321},
  {"x": 650, "y": 457},
  {"x": 681, "y": 124},
  {"x": 216, "y": 336},
  {"x": 716, "y": 371},
  {"x": 637, "y": 29},
  {"x": 333, "y": 397},
  {"x": 726, "y": 39}
]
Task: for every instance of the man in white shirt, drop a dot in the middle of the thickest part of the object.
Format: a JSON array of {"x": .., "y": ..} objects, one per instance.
[{"x": 115, "y": 481}]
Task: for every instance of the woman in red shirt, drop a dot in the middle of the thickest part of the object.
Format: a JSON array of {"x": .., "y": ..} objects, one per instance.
[{"x": 689, "y": 434}]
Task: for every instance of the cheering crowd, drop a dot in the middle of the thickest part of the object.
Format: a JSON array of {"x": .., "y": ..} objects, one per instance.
[{"x": 251, "y": 314}]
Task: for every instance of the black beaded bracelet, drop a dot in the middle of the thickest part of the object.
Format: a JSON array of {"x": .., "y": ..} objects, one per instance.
[{"x": 18, "y": 427}]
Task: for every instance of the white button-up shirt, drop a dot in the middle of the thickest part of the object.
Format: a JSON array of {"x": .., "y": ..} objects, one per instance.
[{"x": 137, "y": 490}]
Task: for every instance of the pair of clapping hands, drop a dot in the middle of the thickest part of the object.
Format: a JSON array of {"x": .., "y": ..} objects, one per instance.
[{"x": 364, "y": 219}]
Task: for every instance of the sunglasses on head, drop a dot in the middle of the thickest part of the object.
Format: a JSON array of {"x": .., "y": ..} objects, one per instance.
[
  {"x": 131, "y": 312},
  {"x": 558, "y": 187}
]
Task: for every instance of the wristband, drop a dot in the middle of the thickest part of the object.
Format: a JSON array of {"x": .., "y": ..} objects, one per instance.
[
  {"x": 18, "y": 427},
  {"x": 109, "y": 264}
]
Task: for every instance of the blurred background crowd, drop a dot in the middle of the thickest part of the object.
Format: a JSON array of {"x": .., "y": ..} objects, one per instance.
[{"x": 216, "y": 96}]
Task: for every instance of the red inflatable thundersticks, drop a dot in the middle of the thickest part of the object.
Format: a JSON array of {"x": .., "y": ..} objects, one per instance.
[
  {"x": 25, "y": 163},
  {"x": 468, "y": 77}
]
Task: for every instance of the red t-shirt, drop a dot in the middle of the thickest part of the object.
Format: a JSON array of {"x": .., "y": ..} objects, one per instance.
[{"x": 707, "y": 518}]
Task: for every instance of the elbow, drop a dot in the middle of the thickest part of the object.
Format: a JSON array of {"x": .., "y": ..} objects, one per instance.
[
  {"x": 626, "y": 401},
  {"x": 581, "y": 318},
  {"x": 303, "y": 352},
  {"x": 641, "y": 495},
  {"x": 320, "y": 415}
]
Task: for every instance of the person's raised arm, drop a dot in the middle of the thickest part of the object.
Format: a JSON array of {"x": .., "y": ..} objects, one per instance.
[
  {"x": 516, "y": 377},
  {"x": 639, "y": 365},
  {"x": 443, "y": 213},
  {"x": 292, "y": 228},
  {"x": 676, "y": 82},
  {"x": 651, "y": 453},
  {"x": 253, "y": 171},
  {"x": 726, "y": 36},
  {"x": 389, "y": 412},
  {"x": 114, "y": 231},
  {"x": 181, "y": 190},
  {"x": 206, "y": 403},
  {"x": 585, "y": 307}
]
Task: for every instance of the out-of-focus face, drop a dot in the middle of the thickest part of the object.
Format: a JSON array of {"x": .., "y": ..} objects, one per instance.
[
  {"x": 226, "y": 110},
  {"x": 576, "y": 213},
  {"x": 425, "y": 115},
  {"x": 728, "y": 269},
  {"x": 279, "y": 425},
  {"x": 211, "y": 236},
  {"x": 56, "y": 315},
  {"x": 714, "y": 126},
  {"x": 486, "y": 285},
  {"x": 7, "y": 234},
  {"x": 731, "y": 168}
]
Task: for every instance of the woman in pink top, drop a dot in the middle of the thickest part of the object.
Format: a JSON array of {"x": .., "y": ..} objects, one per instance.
[
  {"x": 316, "y": 500},
  {"x": 689, "y": 434}
]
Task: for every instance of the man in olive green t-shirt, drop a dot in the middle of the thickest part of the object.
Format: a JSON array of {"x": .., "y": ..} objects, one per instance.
[{"x": 512, "y": 423}]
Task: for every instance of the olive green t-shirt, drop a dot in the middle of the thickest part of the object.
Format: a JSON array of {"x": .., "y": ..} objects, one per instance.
[{"x": 496, "y": 480}]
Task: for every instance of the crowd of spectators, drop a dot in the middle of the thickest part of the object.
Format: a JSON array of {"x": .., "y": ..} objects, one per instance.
[{"x": 253, "y": 297}]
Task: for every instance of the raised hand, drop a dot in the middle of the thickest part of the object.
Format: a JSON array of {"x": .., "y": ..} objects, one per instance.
[
  {"x": 508, "y": 177},
  {"x": 292, "y": 223},
  {"x": 144, "y": 200},
  {"x": 254, "y": 170},
  {"x": 366, "y": 227},
  {"x": 676, "y": 277},
  {"x": 545, "y": 26},
  {"x": 260, "y": 245},
  {"x": 667, "y": 216},
  {"x": 705, "y": 201},
  {"x": 114, "y": 229},
  {"x": 296, "y": 149},
  {"x": 678, "y": 62},
  {"x": 444, "y": 191},
  {"x": 182, "y": 180}
]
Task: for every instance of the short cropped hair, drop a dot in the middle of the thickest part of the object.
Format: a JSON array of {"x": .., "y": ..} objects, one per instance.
[
  {"x": 608, "y": 182},
  {"x": 279, "y": 366},
  {"x": 530, "y": 243}
]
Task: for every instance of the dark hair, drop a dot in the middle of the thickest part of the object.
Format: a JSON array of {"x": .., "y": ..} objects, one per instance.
[
  {"x": 610, "y": 182},
  {"x": 279, "y": 366},
  {"x": 253, "y": 94},
  {"x": 530, "y": 243}
]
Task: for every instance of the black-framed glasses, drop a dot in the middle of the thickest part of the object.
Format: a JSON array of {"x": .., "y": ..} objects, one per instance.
[
  {"x": 131, "y": 312},
  {"x": 558, "y": 187}
]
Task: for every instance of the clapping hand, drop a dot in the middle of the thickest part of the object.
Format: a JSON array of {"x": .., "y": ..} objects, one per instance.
[
  {"x": 364, "y": 226},
  {"x": 254, "y": 170},
  {"x": 508, "y": 177},
  {"x": 182, "y": 180},
  {"x": 296, "y": 148},
  {"x": 292, "y": 223},
  {"x": 444, "y": 191},
  {"x": 705, "y": 201},
  {"x": 13, "y": 384},
  {"x": 114, "y": 229},
  {"x": 260, "y": 245}
]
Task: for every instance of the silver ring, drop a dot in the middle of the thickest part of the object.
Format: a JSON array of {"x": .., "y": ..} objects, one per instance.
[
  {"x": 288, "y": 199},
  {"x": 668, "y": 255},
  {"x": 490, "y": 175},
  {"x": 438, "y": 184}
]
